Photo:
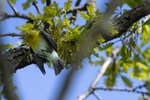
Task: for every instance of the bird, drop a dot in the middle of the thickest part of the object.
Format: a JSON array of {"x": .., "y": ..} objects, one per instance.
[{"x": 44, "y": 49}]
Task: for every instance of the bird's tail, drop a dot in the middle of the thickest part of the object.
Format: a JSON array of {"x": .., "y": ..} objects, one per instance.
[{"x": 58, "y": 65}]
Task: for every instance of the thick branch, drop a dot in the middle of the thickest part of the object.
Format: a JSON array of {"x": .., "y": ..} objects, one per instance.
[
  {"x": 123, "y": 23},
  {"x": 7, "y": 89},
  {"x": 19, "y": 57}
]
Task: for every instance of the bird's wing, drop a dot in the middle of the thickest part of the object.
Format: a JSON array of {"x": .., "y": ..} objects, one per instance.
[
  {"x": 48, "y": 38},
  {"x": 39, "y": 61}
]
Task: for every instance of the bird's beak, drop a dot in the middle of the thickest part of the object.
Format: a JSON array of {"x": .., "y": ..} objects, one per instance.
[{"x": 23, "y": 36}]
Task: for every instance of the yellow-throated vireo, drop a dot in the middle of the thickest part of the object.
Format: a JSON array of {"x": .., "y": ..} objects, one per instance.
[{"x": 44, "y": 48}]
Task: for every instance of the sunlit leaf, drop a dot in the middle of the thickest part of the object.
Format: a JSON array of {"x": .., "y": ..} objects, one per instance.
[
  {"x": 26, "y": 4},
  {"x": 142, "y": 66},
  {"x": 91, "y": 11},
  {"x": 110, "y": 44},
  {"x": 67, "y": 6},
  {"x": 31, "y": 15},
  {"x": 26, "y": 27},
  {"x": 84, "y": 15}
]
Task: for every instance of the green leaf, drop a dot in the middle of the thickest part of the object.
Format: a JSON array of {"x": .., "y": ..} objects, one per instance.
[
  {"x": 50, "y": 22},
  {"x": 143, "y": 98},
  {"x": 146, "y": 31},
  {"x": 100, "y": 40},
  {"x": 13, "y": 1},
  {"x": 67, "y": 6},
  {"x": 91, "y": 11},
  {"x": 125, "y": 53},
  {"x": 138, "y": 75},
  {"x": 108, "y": 45},
  {"x": 52, "y": 11},
  {"x": 126, "y": 67},
  {"x": 133, "y": 3},
  {"x": 66, "y": 22},
  {"x": 96, "y": 54},
  {"x": 31, "y": 15},
  {"x": 90, "y": 61},
  {"x": 26, "y": 27},
  {"x": 6, "y": 46},
  {"x": 142, "y": 66},
  {"x": 126, "y": 81},
  {"x": 84, "y": 15},
  {"x": 110, "y": 80},
  {"x": 27, "y": 4},
  {"x": 43, "y": 1},
  {"x": 147, "y": 22},
  {"x": 139, "y": 72},
  {"x": 145, "y": 35}
]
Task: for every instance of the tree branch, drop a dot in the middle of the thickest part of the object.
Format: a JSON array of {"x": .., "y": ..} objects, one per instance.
[
  {"x": 16, "y": 14},
  {"x": 72, "y": 10},
  {"x": 101, "y": 72},
  {"x": 74, "y": 13},
  {"x": 36, "y": 6},
  {"x": 7, "y": 88},
  {"x": 11, "y": 34},
  {"x": 97, "y": 97},
  {"x": 122, "y": 90},
  {"x": 12, "y": 7},
  {"x": 48, "y": 2},
  {"x": 4, "y": 16},
  {"x": 19, "y": 57}
]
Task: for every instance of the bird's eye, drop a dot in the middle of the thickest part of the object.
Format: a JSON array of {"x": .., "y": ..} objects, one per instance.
[{"x": 26, "y": 34}]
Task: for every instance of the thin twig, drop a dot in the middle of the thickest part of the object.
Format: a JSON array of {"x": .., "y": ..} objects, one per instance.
[
  {"x": 12, "y": 7},
  {"x": 16, "y": 14},
  {"x": 4, "y": 16},
  {"x": 139, "y": 87},
  {"x": 72, "y": 18},
  {"x": 11, "y": 34},
  {"x": 78, "y": 3},
  {"x": 83, "y": 8},
  {"x": 121, "y": 90},
  {"x": 48, "y": 2},
  {"x": 97, "y": 97},
  {"x": 36, "y": 6},
  {"x": 101, "y": 72}
]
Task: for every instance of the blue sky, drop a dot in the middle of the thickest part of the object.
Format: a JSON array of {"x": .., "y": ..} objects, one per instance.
[{"x": 33, "y": 85}]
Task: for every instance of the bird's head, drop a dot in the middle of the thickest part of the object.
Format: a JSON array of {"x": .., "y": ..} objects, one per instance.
[{"x": 30, "y": 36}]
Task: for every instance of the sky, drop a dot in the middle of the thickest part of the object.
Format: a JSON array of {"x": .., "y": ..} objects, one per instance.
[{"x": 33, "y": 85}]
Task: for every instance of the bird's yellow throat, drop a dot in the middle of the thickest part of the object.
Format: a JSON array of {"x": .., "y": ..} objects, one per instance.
[{"x": 32, "y": 38}]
